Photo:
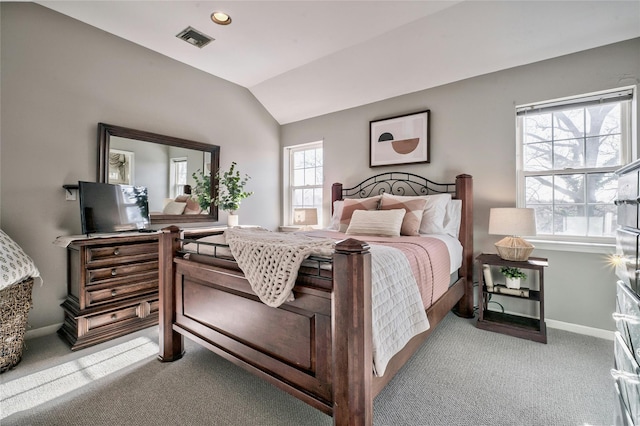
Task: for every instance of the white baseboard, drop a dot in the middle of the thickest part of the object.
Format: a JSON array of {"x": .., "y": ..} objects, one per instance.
[
  {"x": 574, "y": 328},
  {"x": 580, "y": 329},
  {"x": 42, "y": 331}
]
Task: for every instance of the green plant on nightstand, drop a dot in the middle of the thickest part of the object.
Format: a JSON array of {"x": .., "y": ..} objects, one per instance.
[{"x": 513, "y": 276}]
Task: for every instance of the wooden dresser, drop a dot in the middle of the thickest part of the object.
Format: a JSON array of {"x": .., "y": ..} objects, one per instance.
[
  {"x": 112, "y": 288},
  {"x": 626, "y": 371}
]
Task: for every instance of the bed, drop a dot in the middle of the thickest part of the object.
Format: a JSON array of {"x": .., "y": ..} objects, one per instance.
[{"x": 319, "y": 346}]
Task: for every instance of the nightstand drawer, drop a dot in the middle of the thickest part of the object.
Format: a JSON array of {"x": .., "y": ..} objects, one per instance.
[
  {"x": 97, "y": 295},
  {"x": 627, "y": 317},
  {"x": 129, "y": 271},
  {"x": 121, "y": 253},
  {"x": 627, "y": 376}
]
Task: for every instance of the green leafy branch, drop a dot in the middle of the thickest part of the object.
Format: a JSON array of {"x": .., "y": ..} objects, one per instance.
[{"x": 231, "y": 189}]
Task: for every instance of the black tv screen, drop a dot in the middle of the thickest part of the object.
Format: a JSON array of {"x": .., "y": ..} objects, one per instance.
[{"x": 107, "y": 208}]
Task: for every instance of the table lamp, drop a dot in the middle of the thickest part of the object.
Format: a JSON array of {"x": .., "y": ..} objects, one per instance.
[
  {"x": 305, "y": 218},
  {"x": 514, "y": 222}
]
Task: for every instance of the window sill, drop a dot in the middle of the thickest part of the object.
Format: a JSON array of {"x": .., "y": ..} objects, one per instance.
[{"x": 574, "y": 246}]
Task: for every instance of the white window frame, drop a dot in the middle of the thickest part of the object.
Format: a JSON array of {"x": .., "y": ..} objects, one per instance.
[
  {"x": 628, "y": 153},
  {"x": 176, "y": 188},
  {"x": 287, "y": 208}
]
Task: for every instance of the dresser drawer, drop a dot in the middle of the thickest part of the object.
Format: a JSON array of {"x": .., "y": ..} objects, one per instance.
[
  {"x": 627, "y": 376},
  {"x": 127, "y": 314},
  {"x": 129, "y": 271},
  {"x": 628, "y": 272},
  {"x": 627, "y": 317},
  {"x": 121, "y": 253},
  {"x": 101, "y": 294},
  {"x": 627, "y": 201},
  {"x": 621, "y": 416}
]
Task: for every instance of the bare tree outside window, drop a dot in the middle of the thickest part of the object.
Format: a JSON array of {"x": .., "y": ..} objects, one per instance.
[{"x": 569, "y": 156}]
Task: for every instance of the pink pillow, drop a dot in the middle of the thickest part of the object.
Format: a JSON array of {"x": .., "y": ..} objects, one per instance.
[
  {"x": 192, "y": 207},
  {"x": 352, "y": 204},
  {"x": 413, "y": 216}
]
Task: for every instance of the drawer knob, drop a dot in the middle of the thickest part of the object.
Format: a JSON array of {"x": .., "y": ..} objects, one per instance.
[
  {"x": 626, "y": 318},
  {"x": 114, "y": 272},
  {"x": 114, "y": 316},
  {"x": 116, "y": 252},
  {"x": 625, "y": 376},
  {"x": 113, "y": 292}
]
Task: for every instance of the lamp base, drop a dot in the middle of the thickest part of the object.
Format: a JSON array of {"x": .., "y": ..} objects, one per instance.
[{"x": 514, "y": 248}]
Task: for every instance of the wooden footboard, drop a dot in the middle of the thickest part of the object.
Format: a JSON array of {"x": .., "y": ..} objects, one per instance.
[{"x": 317, "y": 347}]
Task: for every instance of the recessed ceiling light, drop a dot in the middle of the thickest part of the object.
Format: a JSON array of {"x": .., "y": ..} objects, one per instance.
[{"x": 221, "y": 18}]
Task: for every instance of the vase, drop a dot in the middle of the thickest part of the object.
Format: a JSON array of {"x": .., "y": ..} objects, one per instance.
[
  {"x": 513, "y": 282},
  {"x": 232, "y": 220}
]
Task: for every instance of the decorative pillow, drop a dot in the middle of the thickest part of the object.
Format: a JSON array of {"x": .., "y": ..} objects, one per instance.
[
  {"x": 182, "y": 198},
  {"x": 434, "y": 213},
  {"x": 15, "y": 265},
  {"x": 337, "y": 213},
  {"x": 413, "y": 216},
  {"x": 386, "y": 223},
  {"x": 192, "y": 207},
  {"x": 174, "y": 207},
  {"x": 352, "y": 204},
  {"x": 452, "y": 218}
]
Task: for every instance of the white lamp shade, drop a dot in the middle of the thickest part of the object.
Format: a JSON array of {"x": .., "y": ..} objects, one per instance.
[
  {"x": 305, "y": 216},
  {"x": 512, "y": 221}
]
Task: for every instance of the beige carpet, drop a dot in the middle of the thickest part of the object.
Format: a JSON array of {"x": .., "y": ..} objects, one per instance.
[{"x": 461, "y": 376}]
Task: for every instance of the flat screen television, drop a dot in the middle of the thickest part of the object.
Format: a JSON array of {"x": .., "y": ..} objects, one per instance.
[{"x": 108, "y": 208}]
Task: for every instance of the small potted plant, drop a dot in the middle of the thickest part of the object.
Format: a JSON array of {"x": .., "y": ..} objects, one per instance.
[
  {"x": 513, "y": 276},
  {"x": 231, "y": 192}
]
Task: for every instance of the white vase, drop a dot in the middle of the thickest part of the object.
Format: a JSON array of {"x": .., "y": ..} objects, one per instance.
[
  {"x": 232, "y": 220},
  {"x": 513, "y": 282}
]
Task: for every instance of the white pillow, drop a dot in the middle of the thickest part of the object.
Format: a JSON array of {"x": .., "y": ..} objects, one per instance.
[
  {"x": 453, "y": 217},
  {"x": 434, "y": 213},
  {"x": 174, "y": 207},
  {"x": 386, "y": 223},
  {"x": 15, "y": 265},
  {"x": 337, "y": 214}
]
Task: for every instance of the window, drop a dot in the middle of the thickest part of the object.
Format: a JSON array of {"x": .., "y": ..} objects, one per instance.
[
  {"x": 305, "y": 178},
  {"x": 178, "y": 176},
  {"x": 568, "y": 151}
]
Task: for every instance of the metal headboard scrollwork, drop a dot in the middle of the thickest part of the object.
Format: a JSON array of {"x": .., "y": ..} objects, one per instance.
[{"x": 397, "y": 183}]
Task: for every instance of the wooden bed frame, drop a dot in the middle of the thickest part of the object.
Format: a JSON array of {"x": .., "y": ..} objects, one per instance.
[{"x": 318, "y": 348}]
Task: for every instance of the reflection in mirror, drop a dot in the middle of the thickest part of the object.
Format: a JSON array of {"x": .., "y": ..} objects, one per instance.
[{"x": 164, "y": 165}]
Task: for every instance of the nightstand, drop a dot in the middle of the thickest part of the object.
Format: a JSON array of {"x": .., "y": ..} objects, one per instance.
[{"x": 514, "y": 325}]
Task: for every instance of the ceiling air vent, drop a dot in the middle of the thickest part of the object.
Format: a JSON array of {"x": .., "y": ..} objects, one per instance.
[{"x": 195, "y": 37}]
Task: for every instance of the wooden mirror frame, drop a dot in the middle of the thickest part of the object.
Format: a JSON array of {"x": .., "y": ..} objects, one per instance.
[{"x": 105, "y": 131}]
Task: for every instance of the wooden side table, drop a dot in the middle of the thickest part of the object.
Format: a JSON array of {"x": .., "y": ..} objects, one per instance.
[{"x": 514, "y": 325}]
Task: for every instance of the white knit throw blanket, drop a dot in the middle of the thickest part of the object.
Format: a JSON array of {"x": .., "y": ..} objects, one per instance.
[{"x": 270, "y": 260}]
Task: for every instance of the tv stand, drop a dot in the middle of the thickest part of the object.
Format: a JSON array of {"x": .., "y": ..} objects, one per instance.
[{"x": 112, "y": 285}]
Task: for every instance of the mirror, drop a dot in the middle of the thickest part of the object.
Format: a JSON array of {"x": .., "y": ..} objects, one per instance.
[{"x": 164, "y": 165}]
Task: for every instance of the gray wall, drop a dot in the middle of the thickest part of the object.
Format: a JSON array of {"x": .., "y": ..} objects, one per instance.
[
  {"x": 473, "y": 131},
  {"x": 59, "y": 79}
]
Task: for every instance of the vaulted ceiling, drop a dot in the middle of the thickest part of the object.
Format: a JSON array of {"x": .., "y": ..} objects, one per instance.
[{"x": 302, "y": 59}]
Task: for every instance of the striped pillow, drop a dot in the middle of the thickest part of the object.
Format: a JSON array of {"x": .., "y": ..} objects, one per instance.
[
  {"x": 414, "y": 208},
  {"x": 385, "y": 223},
  {"x": 352, "y": 204}
]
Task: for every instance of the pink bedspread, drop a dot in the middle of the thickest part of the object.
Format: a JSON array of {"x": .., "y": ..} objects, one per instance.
[{"x": 428, "y": 257}]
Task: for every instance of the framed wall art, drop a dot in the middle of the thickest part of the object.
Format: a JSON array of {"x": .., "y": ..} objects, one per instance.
[
  {"x": 120, "y": 167},
  {"x": 400, "y": 140}
]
